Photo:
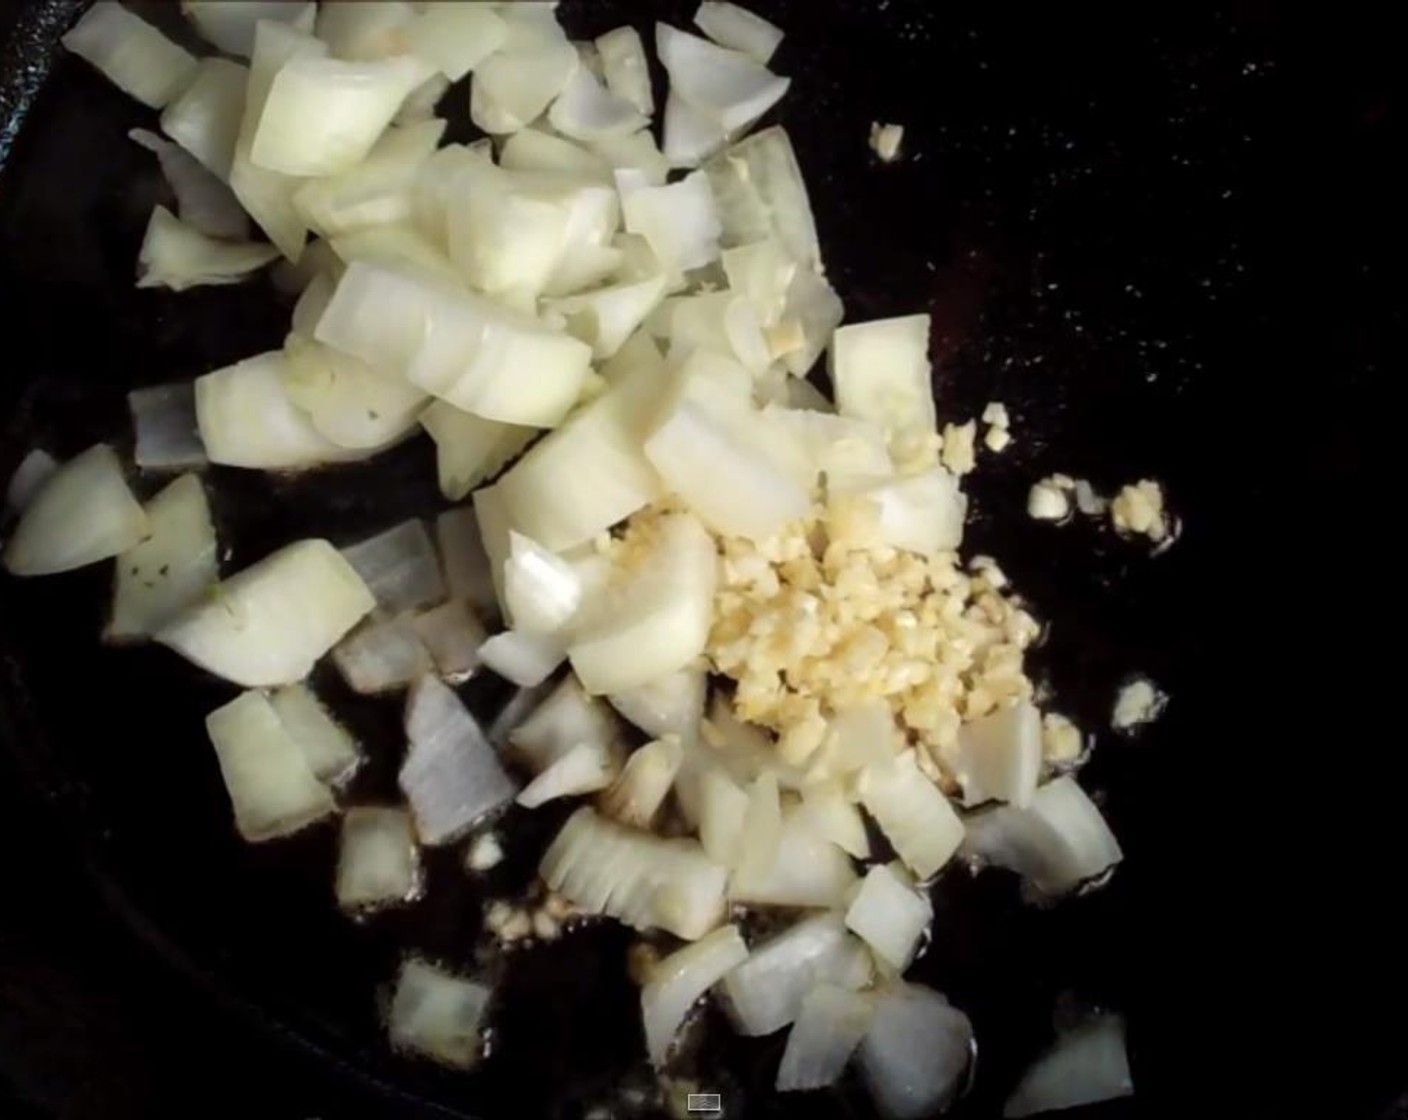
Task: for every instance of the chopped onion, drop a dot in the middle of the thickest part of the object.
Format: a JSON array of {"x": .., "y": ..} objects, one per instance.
[
  {"x": 585, "y": 768},
  {"x": 377, "y": 862},
  {"x": 35, "y": 469},
  {"x": 542, "y": 590},
  {"x": 523, "y": 657},
  {"x": 680, "y": 221},
  {"x": 229, "y": 24},
  {"x": 642, "y": 880},
  {"x": 669, "y": 705},
  {"x": 727, "y": 84},
  {"x": 421, "y": 102},
  {"x": 679, "y": 980},
  {"x": 745, "y": 749},
  {"x": 247, "y": 420},
  {"x": 535, "y": 150},
  {"x": 178, "y": 256},
  {"x": 271, "y": 788},
  {"x": 915, "y": 1053},
  {"x": 761, "y": 840},
  {"x": 692, "y": 134},
  {"x": 269, "y": 624},
  {"x": 400, "y": 566},
  {"x": 812, "y": 312},
  {"x": 382, "y": 657},
  {"x": 738, "y": 29},
  {"x": 605, "y": 318},
  {"x": 644, "y": 783},
  {"x": 441, "y": 181},
  {"x": 654, "y": 621},
  {"x": 625, "y": 68},
  {"x": 354, "y": 29},
  {"x": 513, "y": 87},
  {"x": 485, "y": 853},
  {"x": 923, "y": 513},
  {"x": 456, "y": 37},
  {"x": 1056, "y": 843},
  {"x": 329, "y": 749},
  {"x": 566, "y": 719},
  {"x": 805, "y": 870},
  {"x": 890, "y": 915},
  {"x": 309, "y": 283},
  {"x": 882, "y": 374},
  {"x": 760, "y": 193},
  {"x": 170, "y": 570},
  {"x": 638, "y": 359},
  {"x": 353, "y": 406},
  {"x": 913, "y": 814},
  {"x": 830, "y": 1024},
  {"x": 398, "y": 247},
  {"x": 451, "y": 776},
  {"x": 843, "y": 449},
  {"x": 131, "y": 53},
  {"x": 637, "y": 152},
  {"x": 765, "y": 992},
  {"x": 466, "y": 563},
  {"x": 829, "y": 813},
  {"x": 205, "y": 118},
  {"x": 722, "y": 811},
  {"x": 203, "y": 201},
  {"x": 1086, "y": 1066},
  {"x": 999, "y": 756},
  {"x": 491, "y": 515},
  {"x": 437, "y": 1014},
  {"x": 587, "y": 110},
  {"x": 452, "y": 635},
  {"x": 83, "y": 513}
]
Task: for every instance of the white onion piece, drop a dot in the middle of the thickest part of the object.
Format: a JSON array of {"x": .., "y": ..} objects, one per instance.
[
  {"x": 178, "y": 256},
  {"x": 535, "y": 150},
  {"x": 640, "y": 879},
  {"x": 398, "y": 247},
  {"x": 587, "y": 110},
  {"x": 721, "y": 322},
  {"x": 999, "y": 756},
  {"x": 722, "y": 811},
  {"x": 639, "y": 358},
  {"x": 812, "y": 312},
  {"x": 679, "y": 980},
  {"x": 761, "y": 840},
  {"x": 829, "y": 813},
  {"x": 766, "y": 991},
  {"x": 1085, "y": 1066},
  {"x": 923, "y": 513},
  {"x": 738, "y": 29},
  {"x": 542, "y": 591},
  {"x": 377, "y": 862},
  {"x": 745, "y": 749},
  {"x": 451, "y": 776},
  {"x": 681, "y": 221},
  {"x": 465, "y": 562},
  {"x": 915, "y": 1053},
  {"x": 421, "y": 102},
  {"x": 691, "y": 134},
  {"x": 644, "y": 783},
  {"x": 625, "y": 68},
  {"x": 657, "y": 619},
  {"x": 329, "y": 748},
  {"x": 605, "y": 318},
  {"x": 522, "y": 657},
  {"x": 669, "y": 705},
  {"x": 364, "y": 32},
  {"x": 35, "y": 469},
  {"x": 882, "y": 374},
  {"x": 171, "y": 569},
  {"x": 309, "y": 283},
  {"x": 805, "y": 870},
  {"x": 229, "y": 24},
  {"x": 351, "y": 405},
  {"x": 441, "y": 181},
  {"x": 322, "y": 115},
  {"x": 513, "y": 87},
  {"x": 438, "y": 1015},
  {"x": 452, "y": 636},
  {"x": 205, "y": 118},
  {"x": 456, "y": 37},
  {"x": 492, "y": 516},
  {"x": 382, "y": 657},
  {"x": 913, "y": 813},
  {"x": 247, "y": 420},
  {"x": 269, "y": 624},
  {"x": 760, "y": 194},
  {"x": 566, "y": 719},
  {"x": 727, "y": 84},
  {"x": 586, "y": 768},
  {"x": 1056, "y": 843},
  {"x": 272, "y": 790},
  {"x": 400, "y": 566},
  {"x": 203, "y": 201},
  {"x": 83, "y": 513},
  {"x": 890, "y": 915},
  {"x": 636, "y": 152},
  {"x": 131, "y": 53},
  {"x": 761, "y": 272},
  {"x": 830, "y": 1024},
  {"x": 469, "y": 449},
  {"x": 841, "y": 448}
]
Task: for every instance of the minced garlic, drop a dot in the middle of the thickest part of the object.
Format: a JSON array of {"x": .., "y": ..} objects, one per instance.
[
  {"x": 1138, "y": 702},
  {"x": 1047, "y": 501},
  {"x": 1061, "y": 740},
  {"x": 958, "y": 454},
  {"x": 885, "y": 140},
  {"x": 1139, "y": 508}
]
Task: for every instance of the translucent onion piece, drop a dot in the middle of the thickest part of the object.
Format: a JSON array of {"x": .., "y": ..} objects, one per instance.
[
  {"x": 1056, "y": 843},
  {"x": 679, "y": 980},
  {"x": 692, "y": 134},
  {"x": 669, "y": 705},
  {"x": 890, "y": 916},
  {"x": 842, "y": 448},
  {"x": 721, "y": 322},
  {"x": 377, "y": 864},
  {"x": 398, "y": 247},
  {"x": 587, "y": 110},
  {"x": 441, "y": 181},
  {"x": 642, "y": 880},
  {"x": 999, "y": 756},
  {"x": 354, "y": 29},
  {"x": 738, "y": 29},
  {"x": 205, "y": 118},
  {"x": 915, "y": 1053},
  {"x": 812, "y": 312},
  {"x": 382, "y": 657},
  {"x": 760, "y": 194},
  {"x": 247, "y": 420},
  {"x": 637, "y": 152},
  {"x": 765, "y": 992},
  {"x": 681, "y": 221},
  {"x": 229, "y": 24},
  {"x": 657, "y": 619},
  {"x": 882, "y": 374},
  {"x": 421, "y": 102},
  {"x": 829, "y": 813},
  {"x": 523, "y": 657},
  {"x": 625, "y": 68},
  {"x": 469, "y": 449},
  {"x": 456, "y": 37},
  {"x": 329, "y": 749},
  {"x": 585, "y": 768},
  {"x": 465, "y": 562},
  {"x": 542, "y": 591},
  {"x": 400, "y": 566},
  {"x": 923, "y": 513},
  {"x": 636, "y": 796},
  {"x": 323, "y": 115},
  {"x": 605, "y": 318},
  {"x": 491, "y": 515},
  {"x": 566, "y": 719},
  {"x": 271, "y": 788},
  {"x": 535, "y": 150},
  {"x": 452, "y": 636},
  {"x": 170, "y": 570},
  {"x": 351, "y": 405},
  {"x": 860, "y": 736},
  {"x": 762, "y": 830},
  {"x": 203, "y": 201},
  {"x": 830, "y": 1024},
  {"x": 722, "y": 810},
  {"x": 913, "y": 814},
  {"x": 760, "y": 272},
  {"x": 438, "y": 1015},
  {"x": 270, "y": 623},
  {"x": 83, "y": 513},
  {"x": 513, "y": 87},
  {"x": 805, "y": 869},
  {"x": 309, "y": 282},
  {"x": 727, "y": 84},
  {"x": 451, "y": 775},
  {"x": 178, "y": 256},
  {"x": 1086, "y": 1065},
  {"x": 35, "y": 469},
  {"x": 131, "y": 53}
]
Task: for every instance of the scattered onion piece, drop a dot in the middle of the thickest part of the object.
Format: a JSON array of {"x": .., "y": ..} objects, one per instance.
[
  {"x": 205, "y": 118},
  {"x": 625, "y": 69},
  {"x": 203, "y": 201},
  {"x": 329, "y": 748},
  {"x": 131, "y": 53},
  {"x": 35, "y": 469},
  {"x": 830, "y": 1024},
  {"x": 400, "y": 566},
  {"x": 377, "y": 862},
  {"x": 738, "y": 29},
  {"x": 438, "y": 1015},
  {"x": 1085, "y": 1066},
  {"x": 229, "y": 24},
  {"x": 679, "y": 980},
  {"x": 178, "y": 256},
  {"x": 915, "y": 1052}
]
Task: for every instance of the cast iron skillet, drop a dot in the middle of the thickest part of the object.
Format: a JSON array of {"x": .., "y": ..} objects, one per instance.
[{"x": 1070, "y": 216}]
